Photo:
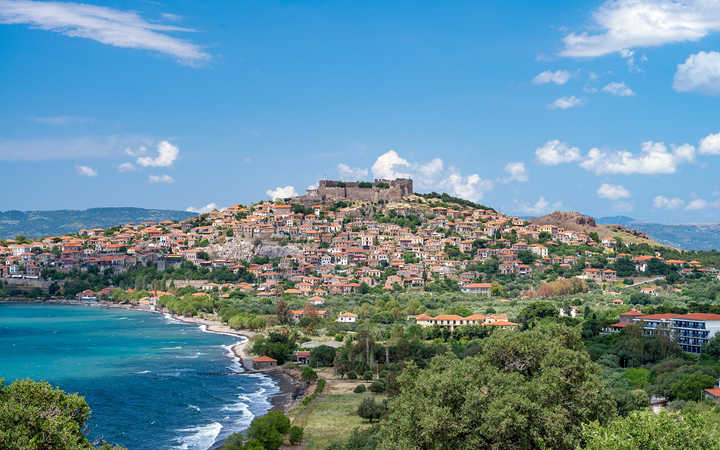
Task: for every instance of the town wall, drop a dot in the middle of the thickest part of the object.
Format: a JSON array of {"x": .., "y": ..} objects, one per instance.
[{"x": 329, "y": 191}]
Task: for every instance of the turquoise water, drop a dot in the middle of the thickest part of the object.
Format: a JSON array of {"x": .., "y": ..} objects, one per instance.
[{"x": 152, "y": 382}]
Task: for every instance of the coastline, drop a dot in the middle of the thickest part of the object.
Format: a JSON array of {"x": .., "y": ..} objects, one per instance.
[{"x": 291, "y": 390}]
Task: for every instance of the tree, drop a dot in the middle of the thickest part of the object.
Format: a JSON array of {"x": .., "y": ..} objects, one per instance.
[
  {"x": 283, "y": 312},
  {"x": 370, "y": 409},
  {"x": 712, "y": 348},
  {"x": 36, "y": 416},
  {"x": 691, "y": 386},
  {"x": 647, "y": 430},
  {"x": 309, "y": 375},
  {"x": 322, "y": 356},
  {"x": 529, "y": 389},
  {"x": 594, "y": 236},
  {"x": 624, "y": 267},
  {"x": 296, "y": 435},
  {"x": 269, "y": 429},
  {"x": 535, "y": 311}
]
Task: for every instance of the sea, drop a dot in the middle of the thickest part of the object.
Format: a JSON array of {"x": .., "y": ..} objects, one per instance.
[{"x": 151, "y": 381}]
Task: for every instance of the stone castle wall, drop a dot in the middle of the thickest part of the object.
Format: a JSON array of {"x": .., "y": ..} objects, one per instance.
[{"x": 350, "y": 191}]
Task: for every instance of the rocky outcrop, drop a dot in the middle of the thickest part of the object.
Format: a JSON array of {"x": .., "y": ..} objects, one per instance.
[
  {"x": 565, "y": 219},
  {"x": 247, "y": 249}
]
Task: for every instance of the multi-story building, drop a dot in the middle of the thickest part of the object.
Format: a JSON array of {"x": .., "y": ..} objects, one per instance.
[{"x": 690, "y": 330}]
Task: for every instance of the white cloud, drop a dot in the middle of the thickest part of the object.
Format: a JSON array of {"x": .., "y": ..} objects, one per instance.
[
  {"x": 540, "y": 207},
  {"x": 699, "y": 73},
  {"x": 619, "y": 89},
  {"x": 653, "y": 159},
  {"x": 548, "y": 76},
  {"x": 60, "y": 120},
  {"x": 281, "y": 192},
  {"x": 516, "y": 172},
  {"x": 662, "y": 202},
  {"x": 565, "y": 103},
  {"x": 203, "y": 209},
  {"x": 470, "y": 187},
  {"x": 710, "y": 144},
  {"x": 625, "y": 24},
  {"x": 161, "y": 179},
  {"x": 352, "y": 173},
  {"x": 697, "y": 204},
  {"x": 556, "y": 152},
  {"x": 86, "y": 171},
  {"x": 431, "y": 175},
  {"x": 386, "y": 164},
  {"x": 167, "y": 154},
  {"x": 612, "y": 191},
  {"x": 125, "y": 167},
  {"x": 106, "y": 25},
  {"x": 63, "y": 148},
  {"x": 135, "y": 151}
]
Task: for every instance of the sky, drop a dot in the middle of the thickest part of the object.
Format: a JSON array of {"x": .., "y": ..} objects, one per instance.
[{"x": 607, "y": 108}]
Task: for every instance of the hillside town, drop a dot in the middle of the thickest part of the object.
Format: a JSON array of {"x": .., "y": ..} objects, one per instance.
[{"x": 340, "y": 246}]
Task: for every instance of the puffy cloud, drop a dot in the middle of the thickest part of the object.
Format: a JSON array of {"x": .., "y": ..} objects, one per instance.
[
  {"x": 161, "y": 179},
  {"x": 626, "y": 24},
  {"x": 662, "y": 202},
  {"x": 350, "y": 172},
  {"x": 102, "y": 24},
  {"x": 699, "y": 73},
  {"x": 556, "y": 152},
  {"x": 540, "y": 207},
  {"x": 619, "y": 89},
  {"x": 432, "y": 175},
  {"x": 612, "y": 191},
  {"x": 548, "y": 76},
  {"x": 125, "y": 167},
  {"x": 697, "y": 204},
  {"x": 203, "y": 209},
  {"x": 86, "y": 171},
  {"x": 167, "y": 154},
  {"x": 710, "y": 144},
  {"x": 470, "y": 187},
  {"x": 281, "y": 192},
  {"x": 653, "y": 159},
  {"x": 566, "y": 103},
  {"x": 386, "y": 164},
  {"x": 516, "y": 172}
]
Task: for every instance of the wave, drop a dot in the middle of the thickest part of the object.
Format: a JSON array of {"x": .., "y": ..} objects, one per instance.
[
  {"x": 200, "y": 437},
  {"x": 179, "y": 347},
  {"x": 170, "y": 319},
  {"x": 143, "y": 372},
  {"x": 196, "y": 408},
  {"x": 236, "y": 366}
]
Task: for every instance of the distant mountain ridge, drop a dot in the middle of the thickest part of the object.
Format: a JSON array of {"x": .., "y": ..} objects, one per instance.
[
  {"x": 38, "y": 224},
  {"x": 700, "y": 236}
]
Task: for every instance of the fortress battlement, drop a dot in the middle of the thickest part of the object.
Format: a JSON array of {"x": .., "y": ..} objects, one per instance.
[{"x": 330, "y": 191}]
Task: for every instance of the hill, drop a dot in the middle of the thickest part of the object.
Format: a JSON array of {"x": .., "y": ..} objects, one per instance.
[
  {"x": 701, "y": 236},
  {"x": 578, "y": 222},
  {"x": 49, "y": 223}
]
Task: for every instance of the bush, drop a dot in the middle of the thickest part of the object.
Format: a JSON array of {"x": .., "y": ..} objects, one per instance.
[
  {"x": 359, "y": 389},
  {"x": 296, "y": 435},
  {"x": 367, "y": 376},
  {"x": 352, "y": 375},
  {"x": 309, "y": 375},
  {"x": 269, "y": 429},
  {"x": 318, "y": 389},
  {"x": 371, "y": 410},
  {"x": 378, "y": 386}
]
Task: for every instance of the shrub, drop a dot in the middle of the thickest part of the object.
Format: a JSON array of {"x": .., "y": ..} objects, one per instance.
[
  {"x": 318, "y": 389},
  {"x": 309, "y": 375},
  {"x": 378, "y": 386},
  {"x": 296, "y": 435},
  {"x": 359, "y": 389},
  {"x": 371, "y": 410},
  {"x": 367, "y": 376},
  {"x": 352, "y": 376}
]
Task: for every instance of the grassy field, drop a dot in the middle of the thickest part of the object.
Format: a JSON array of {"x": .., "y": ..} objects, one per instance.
[{"x": 329, "y": 418}]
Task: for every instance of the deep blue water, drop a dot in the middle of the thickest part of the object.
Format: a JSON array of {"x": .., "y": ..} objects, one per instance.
[{"x": 152, "y": 382}]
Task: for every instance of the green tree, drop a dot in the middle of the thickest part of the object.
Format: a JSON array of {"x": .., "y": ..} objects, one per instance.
[
  {"x": 691, "y": 386},
  {"x": 712, "y": 348},
  {"x": 309, "y": 375},
  {"x": 269, "y": 429},
  {"x": 283, "y": 312},
  {"x": 646, "y": 430},
  {"x": 36, "y": 416},
  {"x": 370, "y": 409},
  {"x": 529, "y": 389}
]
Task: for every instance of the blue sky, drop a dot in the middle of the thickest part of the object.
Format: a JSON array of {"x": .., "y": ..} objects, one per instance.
[{"x": 604, "y": 108}]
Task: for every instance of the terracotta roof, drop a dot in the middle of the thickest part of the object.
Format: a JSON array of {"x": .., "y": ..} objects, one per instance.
[{"x": 264, "y": 359}]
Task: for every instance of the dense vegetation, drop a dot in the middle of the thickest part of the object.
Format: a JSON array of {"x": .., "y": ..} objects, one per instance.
[{"x": 36, "y": 416}]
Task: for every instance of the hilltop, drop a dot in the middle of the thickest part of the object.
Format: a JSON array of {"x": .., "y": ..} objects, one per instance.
[
  {"x": 37, "y": 224},
  {"x": 692, "y": 236}
]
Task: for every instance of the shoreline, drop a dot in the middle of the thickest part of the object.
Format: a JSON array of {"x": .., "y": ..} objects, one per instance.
[{"x": 290, "y": 389}]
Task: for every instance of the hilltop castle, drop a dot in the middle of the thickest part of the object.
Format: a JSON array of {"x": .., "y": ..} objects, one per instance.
[{"x": 329, "y": 191}]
